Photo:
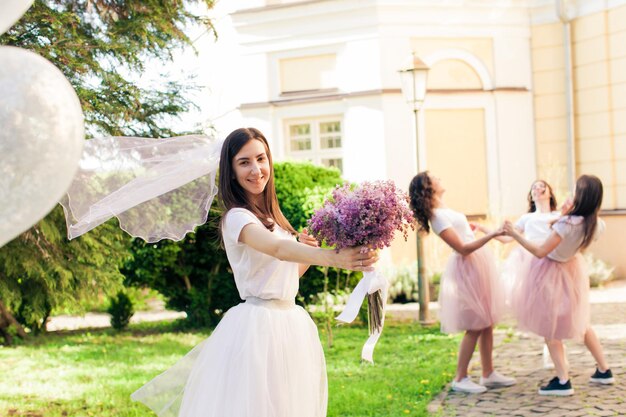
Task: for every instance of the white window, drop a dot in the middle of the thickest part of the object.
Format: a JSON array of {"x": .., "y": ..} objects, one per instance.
[{"x": 316, "y": 140}]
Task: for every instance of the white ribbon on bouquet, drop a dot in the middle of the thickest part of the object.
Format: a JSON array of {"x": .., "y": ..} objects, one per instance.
[{"x": 369, "y": 284}]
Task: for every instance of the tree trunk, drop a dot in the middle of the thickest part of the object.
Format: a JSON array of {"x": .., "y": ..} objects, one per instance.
[
  {"x": 7, "y": 320},
  {"x": 8, "y": 339},
  {"x": 187, "y": 283},
  {"x": 46, "y": 317}
]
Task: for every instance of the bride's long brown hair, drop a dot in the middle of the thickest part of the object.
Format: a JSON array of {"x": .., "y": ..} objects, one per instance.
[{"x": 233, "y": 195}]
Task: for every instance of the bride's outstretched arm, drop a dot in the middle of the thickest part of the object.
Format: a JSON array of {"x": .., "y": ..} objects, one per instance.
[{"x": 261, "y": 239}]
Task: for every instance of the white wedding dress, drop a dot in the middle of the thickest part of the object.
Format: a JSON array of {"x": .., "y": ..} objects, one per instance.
[{"x": 264, "y": 359}]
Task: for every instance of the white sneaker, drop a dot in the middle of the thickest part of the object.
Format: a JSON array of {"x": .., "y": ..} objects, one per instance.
[
  {"x": 467, "y": 385},
  {"x": 497, "y": 380}
]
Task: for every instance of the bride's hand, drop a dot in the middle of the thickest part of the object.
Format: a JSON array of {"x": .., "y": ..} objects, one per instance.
[{"x": 358, "y": 258}]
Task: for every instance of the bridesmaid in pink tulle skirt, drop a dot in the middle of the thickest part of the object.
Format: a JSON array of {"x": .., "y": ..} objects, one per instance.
[
  {"x": 553, "y": 299},
  {"x": 551, "y": 296},
  {"x": 471, "y": 297},
  {"x": 536, "y": 226}
]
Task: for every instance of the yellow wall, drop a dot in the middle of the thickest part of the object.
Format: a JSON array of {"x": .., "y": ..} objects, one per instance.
[
  {"x": 307, "y": 73},
  {"x": 482, "y": 48},
  {"x": 595, "y": 110},
  {"x": 456, "y": 153},
  {"x": 453, "y": 74},
  {"x": 616, "y": 38},
  {"x": 549, "y": 102},
  {"x": 599, "y": 68},
  {"x": 600, "y": 107}
]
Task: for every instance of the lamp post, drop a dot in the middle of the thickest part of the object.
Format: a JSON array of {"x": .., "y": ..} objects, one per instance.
[{"x": 413, "y": 81}]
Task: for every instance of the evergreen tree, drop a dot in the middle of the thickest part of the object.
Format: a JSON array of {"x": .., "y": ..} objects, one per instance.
[
  {"x": 42, "y": 270},
  {"x": 102, "y": 47}
]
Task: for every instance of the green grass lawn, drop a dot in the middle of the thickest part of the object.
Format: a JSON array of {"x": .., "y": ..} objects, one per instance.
[{"x": 92, "y": 373}]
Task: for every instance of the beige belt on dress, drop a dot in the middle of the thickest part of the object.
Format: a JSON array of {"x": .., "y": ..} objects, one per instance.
[{"x": 278, "y": 304}]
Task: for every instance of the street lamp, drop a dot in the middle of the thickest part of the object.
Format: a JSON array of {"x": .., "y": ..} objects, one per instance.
[{"x": 413, "y": 81}]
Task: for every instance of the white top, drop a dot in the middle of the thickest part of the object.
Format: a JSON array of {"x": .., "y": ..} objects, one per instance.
[
  {"x": 537, "y": 225},
  {"x": 257, "y": 274},
  {"x": 572, "y": 230},
  {"x": 445, "y": 218}
]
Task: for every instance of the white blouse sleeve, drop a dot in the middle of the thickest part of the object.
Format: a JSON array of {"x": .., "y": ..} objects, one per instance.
[
  {"x": 234, "y": 223},
  {"x": 440, "y": 222},
  {"x": 520, "y": 224},
  {"x": 562, "y": 227}
]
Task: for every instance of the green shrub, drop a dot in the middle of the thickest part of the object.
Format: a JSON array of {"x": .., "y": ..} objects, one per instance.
[
  {"x": 402, "y": 283},
  {"x": 121, "y": 310},
  {"x": 599, "y": 271},
  {"x": 193, "y": 275},
  {"x": 301, "y": 188},
  {"x": 403, "y": 286}
]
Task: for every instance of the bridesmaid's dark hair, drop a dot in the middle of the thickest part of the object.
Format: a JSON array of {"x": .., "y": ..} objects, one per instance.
[
  {"x": 587, "y": 203},
  {"x": 421, "y": 196},
  {"x": 233, "y": 195},
  {"x": 531, "y": 203}
]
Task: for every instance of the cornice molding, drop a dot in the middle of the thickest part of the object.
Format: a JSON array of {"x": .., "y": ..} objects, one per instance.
[{"x": 384, "y": 91}]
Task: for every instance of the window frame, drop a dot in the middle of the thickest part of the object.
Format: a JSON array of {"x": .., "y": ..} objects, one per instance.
[{"x": 316, "y": 154}]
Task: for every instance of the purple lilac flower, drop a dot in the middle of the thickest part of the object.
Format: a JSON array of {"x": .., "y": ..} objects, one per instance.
[{"x": 367, "y": 214}]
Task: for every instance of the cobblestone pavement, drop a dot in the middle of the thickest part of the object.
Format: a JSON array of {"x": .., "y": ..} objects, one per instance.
[{"x": 521, "y": 355}]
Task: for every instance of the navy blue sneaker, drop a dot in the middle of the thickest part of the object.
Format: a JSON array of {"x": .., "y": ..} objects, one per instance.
[
  {"x": 554, "y": 387},
  {"x": 604, "y": 378}
]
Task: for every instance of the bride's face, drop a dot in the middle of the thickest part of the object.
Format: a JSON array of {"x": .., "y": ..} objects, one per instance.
[{"x": 252, "y": 168}]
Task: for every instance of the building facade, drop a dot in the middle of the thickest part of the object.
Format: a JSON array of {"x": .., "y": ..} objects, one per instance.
[{"x": 517, "y": 90}]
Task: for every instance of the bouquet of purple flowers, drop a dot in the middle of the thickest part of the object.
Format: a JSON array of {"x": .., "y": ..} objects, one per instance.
[{"x": 368, "y": 214}]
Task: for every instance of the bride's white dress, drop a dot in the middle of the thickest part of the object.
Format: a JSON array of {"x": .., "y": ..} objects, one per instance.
[{"x": 264, "y": 359}]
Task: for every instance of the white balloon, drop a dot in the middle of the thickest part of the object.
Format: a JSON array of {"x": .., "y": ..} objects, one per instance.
[
  {"x": 41, "y": 139},
  {"x": 11, "y": 11}
]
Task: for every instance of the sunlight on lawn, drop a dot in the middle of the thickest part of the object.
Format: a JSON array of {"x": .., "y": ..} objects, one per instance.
[{"x": 93, "y": 373}]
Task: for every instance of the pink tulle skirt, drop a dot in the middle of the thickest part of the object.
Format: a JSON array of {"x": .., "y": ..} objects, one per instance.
[
  {"x": 511, "y": 270},
  {"x": 551, "y": 298},
  {"x": 471, "y": 296}
]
